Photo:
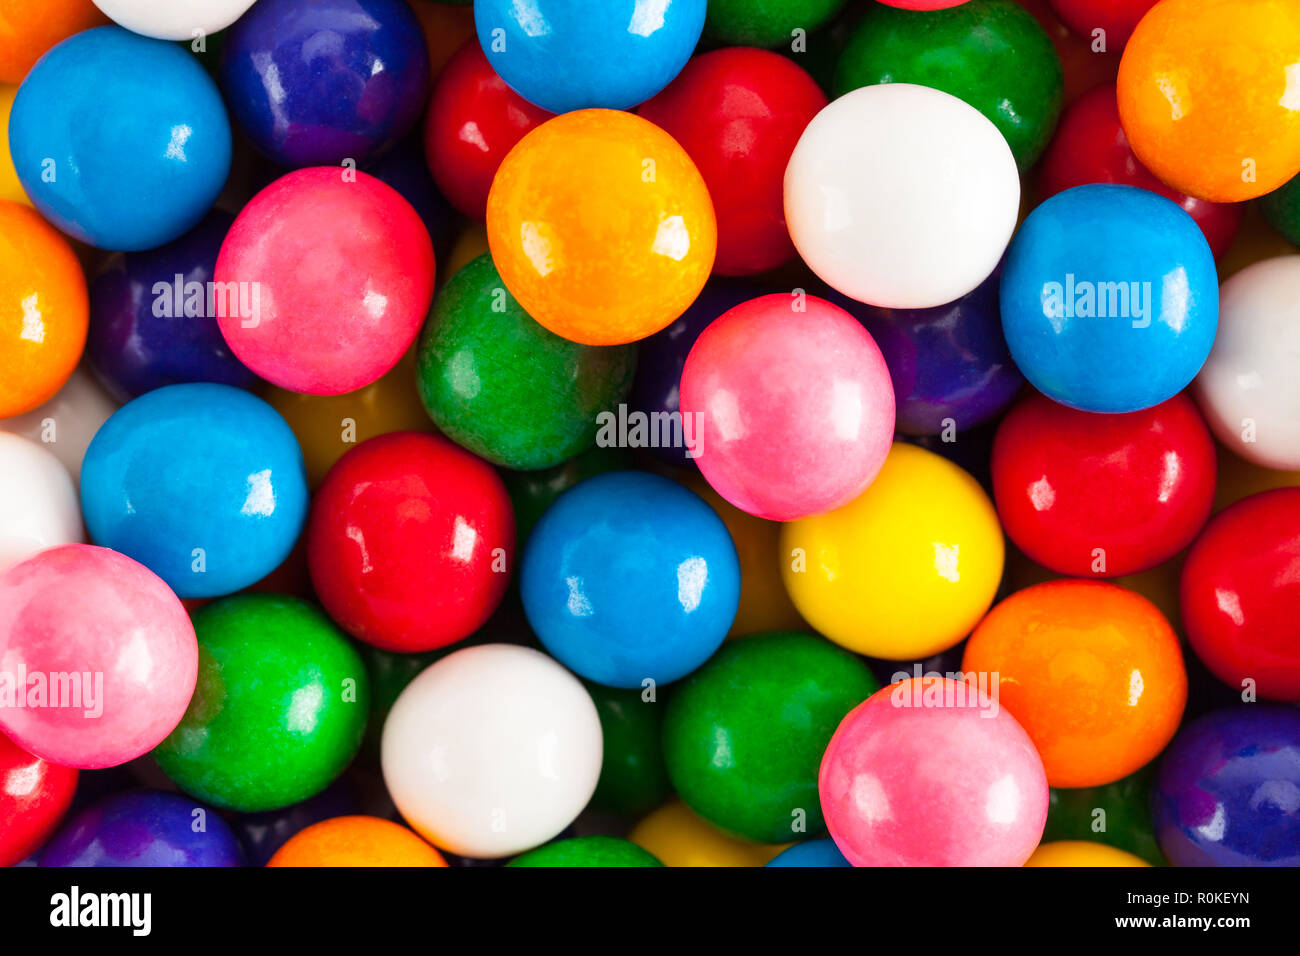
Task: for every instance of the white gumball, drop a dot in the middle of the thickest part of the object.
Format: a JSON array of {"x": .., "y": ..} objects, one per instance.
[
  {"x": 68, "y": 421},
  {"x": 174, "y": 19},
  {"x": 1249, "y": 388},
  {"x": 39, "y": 508},
  {"x": 901, "y": 196},
  {"x": 492, "y": 750}
]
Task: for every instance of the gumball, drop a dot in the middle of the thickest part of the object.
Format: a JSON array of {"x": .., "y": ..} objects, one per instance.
[
  {"x": 738, "y": 113},
  {"x": 334, "y": 273},
  {"x": 1103, "y": 495},
  {"x": 38, "y": 501},
  {"x": 34, "y": 796},
  {"x": 1248, "y": 388},
  {"x": 598, "y": 851},
  {"x": 1083, "y": 66},
  {"x": 320, "y": 82},
  {"x": 279, "y": 710},
  {"x": 1082, "y": 853},
  {"x": 787, "y": 406},
  {"x": 174, "y": 19},
  {"x": 356, "y": 841},
  {"x": 766, "y": 23},
  {"x": 931, "y": 772},
  {"x": 143, "y": 179},
  {"x": 811, "y": 853},
  {"x": 1124, "y": 818},
  {"x": 119, "y": 636},
  {"x": 744, "y": 734},
  {"x": 404, "y": 168},
  {"x": 1182, "y": 125},
  {"x": 923, "y": 4},
  {"x": 410, "y": 542},
  {"x": 563, "y": 56},
  {"x": 1092, "y": 671},
  {"x": 629, "y": 577},
  {"x": 499, "y": 384},
  {"x": 1115, "y": 18},
  {"x": 68, "y": 421},
  {"x": 43, "y": 309},
  {"x": 32, "y": 28},
  {"x": 601, "y": 226},
  {"x": 532, "y": 492},
  {"x": 633, "y": 777},
  {"x": 677, "y": 836},
  {"x": 1282, "y": 210},
  {"x": 492, "y": 750},
  {"x": 1090, "y": 147},
  {"x": 873, "y": 207},
  {"x": 1109, "y": 298},
  {"x": 990, "y": 53},
  {"x": 907, "y": 568},
  {"x": 262, "y": 834},
  {"x": 213, "y": 446}
]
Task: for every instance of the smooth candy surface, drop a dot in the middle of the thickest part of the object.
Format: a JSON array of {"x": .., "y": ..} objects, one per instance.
[
  {"x": 532, "y": 492},
  {"x": 357, "y": 841},
  {"x": 766, "y": 23},
  {"x": 34, "y": 796},
  {"x": 1117, "y": 17},
  {"x": 1082, "y": 853},
  {"x": 174, "y": 19},
  {"x": 633, "y": 777},
  {"x": 818, "y": 853},
  {"x": 597, "y": 851},
  {"x": 39, "y": 508},
  {"x": 31, "y": 29},
  {"x": 678, "y": 836},
  {"x": 68, "y": 421}
]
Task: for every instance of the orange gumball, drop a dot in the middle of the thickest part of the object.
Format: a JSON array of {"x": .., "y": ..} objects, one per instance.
[
  {"x": 1209, "y": 95},
  {"x": 356, "y": 841},
  {"x": 1092, "y": 671},
  {"x": 601, "y": 227},
  {"x": 30, "y": 27},
  {"x": 43, "y": 309}
]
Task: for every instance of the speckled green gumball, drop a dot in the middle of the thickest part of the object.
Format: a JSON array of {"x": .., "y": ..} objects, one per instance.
[
  {"x": 497, "y": 383},
  {"x": 744, "y": 735},
  {"x": 279, "y": 710},
  {"x": 1118, "y": 814},
  {"x": 1282, "y": 210},
  {"x": 991, "y": 53},
  {"x": 766, "y": 23},
  {"x": 597, "y": 851},
  {"x": 633, "y": 778},
  {"x": 532, "y": 492}
]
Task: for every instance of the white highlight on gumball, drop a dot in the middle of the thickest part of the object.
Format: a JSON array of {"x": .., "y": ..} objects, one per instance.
[
  {"x": 67, "y": 422},
  {"x": 174, "y": 19},
  {"x": 39, "y": 507}
]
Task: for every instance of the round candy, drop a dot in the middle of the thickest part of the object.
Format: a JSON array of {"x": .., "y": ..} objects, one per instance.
[
  {"x": 262, "y": 834},
  {"x": 1103, "y": 495},
  {"x": 100, "y": 657},
  {"x": 907, "y": 568},
  {"x": 564, "y": 56},
  {"x": 787, "y": 406},
  {"x": 738, "y": 113},
  {"x": 1109, "y": 298},
  {"x": 630, "y": 578},
  {"x": 497, "y": 383},
  {"x": 141, "y": 180},
  {"x": 931, "y": 772},
  {"x": 43, "y": 309},
  {"x": 743, "y": 735},
  {"x": 677, "y": 836},
  {"x": 32, "y": 28},
  {"x": 405, "y": 169},
  {"x": 410, "y": 542},
  {"x": 1115, "y": 18},
  {"x": 333, "y": 272},
  {"x": 492, "y": 750},
  {"x": 1117, "y": 813},
  {"x": 279, "y": 710},
  {"x": 532, "y": 492},
  {"x": 811, "y": 853},
  {"x": 201, "y": 483},
  {"x": 1282, "y": 210},
  {"x": 923, "y": 4},
  {"x": 174, "y": 19},
  {"x": 68, "y": 421},
  {"x": 633, "y": 777},
  {"x": 601, "y": 227},
  {"x": 597, "y": 851},
  {"x": 322, "y": 82},
  {"x": 34, "y": 796},
  {"x": 883, "y": 216},
  {"x": 1073, "y": 853},
  {"x": 1092, "y": 671},
  {"x": 1176, "y": 96},
  {"x": 356, "y": 841},
  {"x": 1241, "y": 598},
  {"x": 1225, "y": 795},
  {"x": 767, "y": 23},
  {"x": 38, "y": 501}
]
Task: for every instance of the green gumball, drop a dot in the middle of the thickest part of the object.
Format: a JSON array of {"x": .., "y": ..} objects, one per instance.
[
  {"x": 1282, "y": 210},
  {"x": 593, "y": 851},
  {"x": 766, "y": 23},
  {"x": 633, "y": 779},
  {"x": 532, "y": 492},
  {"x": 1117, "y": 814}
]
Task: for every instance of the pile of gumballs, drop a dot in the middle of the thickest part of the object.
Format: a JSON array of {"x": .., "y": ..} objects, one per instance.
[{"x": 833, "y": 433}]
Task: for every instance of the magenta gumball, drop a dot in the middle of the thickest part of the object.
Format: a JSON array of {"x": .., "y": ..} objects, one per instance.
[
  {"x": 98, "y": 658},
  {"x": 923, "y": 4},
  {"x": 931, "y": 772},
  {"x": 787, "y": 406}
]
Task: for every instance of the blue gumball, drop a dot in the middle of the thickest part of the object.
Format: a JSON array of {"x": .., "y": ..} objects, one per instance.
[
  {"x": 203, "y": 484},
  {"x": 629, "y": 576},
  {"x": 319, "y": 82},
  {"x": 564, "y": 56},
  {"x": 811, "y": 853},
  {"x": 119, "y": 140},
  {"x": 1110, "y": 298}
]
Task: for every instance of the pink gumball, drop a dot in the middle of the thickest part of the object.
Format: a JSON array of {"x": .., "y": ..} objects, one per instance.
[
  {"x": 332, "y": 272},
  {"x": 97, "y": 657},
  {"x": 931, "y": 772},
  {"x": 923, "y": 4},
  {"x": 788, "y": 406}
]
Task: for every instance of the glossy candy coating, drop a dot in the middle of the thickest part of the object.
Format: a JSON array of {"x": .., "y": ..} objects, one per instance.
[
  {"x": 85, "y": 609},
  {"x": 1117, "y": 18},
  {"x": 280, "y": 707},
  {"x": 68, "y": 421},
  {"x": 404, "y": 168},
  {"x": 1092, "y": 671},
  {"x": 677, "y": 836},
  {"x": 811, "y": 853},
  {"x": 766, "y": 23},
  {"x": 1126, "y": 805},
  {"x": 920, "y": 775},
  {"x": 410, "y": 542},
  {"x": 34, "y": 796},
  {"x": 633, "y": 776},
  {"x": 38, "y": 501},
  {"x": 356, "y": 841},
  {"x": 532, "y": 492},
  {"x": 336, "y": 274},
  {"x": 601, "y": 226},
  {"x": 174, "y": 19},
  {"x": 907, "y": 568},
  {"x": 1082, "y": 853},
  {"x": 597, "y": 851},
  {"x": 141, "y": 180},
  {"x": 1109, "y": 298},
  {"x": 1282, "y": 210},
  {"x": 30, "y": 29}
]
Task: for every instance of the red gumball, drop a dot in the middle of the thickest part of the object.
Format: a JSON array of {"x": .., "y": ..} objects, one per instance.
[
  {"x": 1117, "y": 17},
  {"x": 1241, "y": 594},
  {"x": 1102, "y": 495},
  {"x": 474, "y": 119},
  {"x": 34, "y": 796},
  {"x": 1090, "y": 147},
  {"x": 738, "y": 113},
  {"x": 410, "y": 542}
]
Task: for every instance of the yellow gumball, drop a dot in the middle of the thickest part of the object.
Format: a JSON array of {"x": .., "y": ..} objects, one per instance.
[
  {"x": 1082, "y": 853},
  {"x": 679, "y": 837},
  {"x": 907, "y": 568},
  {"x": 10, "y": 188}
]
